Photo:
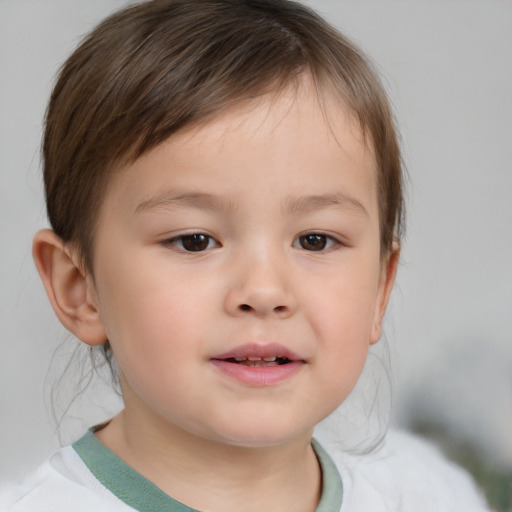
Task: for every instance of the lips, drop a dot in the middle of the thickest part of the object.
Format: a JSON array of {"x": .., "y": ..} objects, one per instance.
[
  {"x": 259, "y": 361},
  {"x": 259, "y": 355},
  {"x": 258, "y": 365}
]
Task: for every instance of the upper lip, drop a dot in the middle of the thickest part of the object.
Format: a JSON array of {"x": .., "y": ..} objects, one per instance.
[{"x": 258, "y": 351}]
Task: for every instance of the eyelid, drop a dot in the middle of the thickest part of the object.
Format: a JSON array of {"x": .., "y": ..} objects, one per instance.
[
  {"x": 333, "y": 241},
  {"x": 173, "y": 241}
]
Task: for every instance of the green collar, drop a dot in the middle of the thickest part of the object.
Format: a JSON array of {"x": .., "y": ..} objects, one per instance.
[{"x": 138, "y": 492}]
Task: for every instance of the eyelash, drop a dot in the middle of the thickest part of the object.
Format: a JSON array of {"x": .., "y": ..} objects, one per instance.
[
  {"x": 179, "y": 241},
  {"x": 326, "y": 242}
]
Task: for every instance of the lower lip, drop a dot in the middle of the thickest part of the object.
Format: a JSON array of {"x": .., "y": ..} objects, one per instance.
[{"x": 258, "y": 376}]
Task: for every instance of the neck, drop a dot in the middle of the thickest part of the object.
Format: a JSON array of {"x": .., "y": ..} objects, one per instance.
[{"x": 214, "y": 476}]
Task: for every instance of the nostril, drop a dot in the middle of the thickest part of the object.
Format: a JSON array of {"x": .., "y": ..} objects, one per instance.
[{"x": 263, "y": 310}]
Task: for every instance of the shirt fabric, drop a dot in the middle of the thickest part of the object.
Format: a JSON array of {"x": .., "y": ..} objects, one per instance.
[{"x": 404, "y": 475}]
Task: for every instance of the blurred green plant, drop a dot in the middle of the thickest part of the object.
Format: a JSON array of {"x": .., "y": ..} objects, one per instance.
[{"x": 496, "y": 482}]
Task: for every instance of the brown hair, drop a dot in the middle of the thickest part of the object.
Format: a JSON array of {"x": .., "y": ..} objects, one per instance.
[{"x": 155, "y": 67}]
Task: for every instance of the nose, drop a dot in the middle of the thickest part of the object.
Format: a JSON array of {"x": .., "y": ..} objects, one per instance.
[{"x": 260, "y": 286}]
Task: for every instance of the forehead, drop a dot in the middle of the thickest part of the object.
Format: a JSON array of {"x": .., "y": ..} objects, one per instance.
[
  {"x": 303, "y": 106},
  {"x": 290, "y": 140}
]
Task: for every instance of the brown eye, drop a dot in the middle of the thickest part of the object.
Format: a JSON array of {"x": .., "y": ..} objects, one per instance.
[
  {"x": 195, "y": 242},
  {"x": 313, "y": 242}
]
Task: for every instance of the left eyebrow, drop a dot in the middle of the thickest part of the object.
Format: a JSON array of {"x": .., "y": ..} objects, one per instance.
[
  {"x": 198, "y": 200},
  {"x": 305, "y": 204}
]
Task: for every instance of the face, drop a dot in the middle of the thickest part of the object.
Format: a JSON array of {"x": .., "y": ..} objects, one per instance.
[{"x": 237, "y": 271}]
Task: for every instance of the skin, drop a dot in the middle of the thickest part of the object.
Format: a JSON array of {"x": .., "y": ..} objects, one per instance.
[{"x": 254, "y": 181}]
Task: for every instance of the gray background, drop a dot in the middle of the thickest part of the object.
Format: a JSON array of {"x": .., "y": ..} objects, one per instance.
[{"x": 447, "y": 66}]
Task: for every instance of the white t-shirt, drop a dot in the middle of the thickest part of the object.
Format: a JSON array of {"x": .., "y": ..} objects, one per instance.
[{"x": 404, "y": 475}]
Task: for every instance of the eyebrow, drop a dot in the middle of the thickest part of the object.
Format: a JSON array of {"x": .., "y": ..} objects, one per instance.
[
  {"x": 293, "y": 205},
  {"x": 305, "y": 204},
  {"x": 199, "y": 200}
]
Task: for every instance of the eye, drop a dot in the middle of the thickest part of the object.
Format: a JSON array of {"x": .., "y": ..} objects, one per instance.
[
  {"x": 195, "y": 242},
  {"x": 315, "y": 242}
]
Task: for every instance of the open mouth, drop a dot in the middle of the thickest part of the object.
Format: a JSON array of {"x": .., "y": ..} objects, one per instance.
[
  {"x": 258, "y": 361},
  {"x": 259, "y": 365}
]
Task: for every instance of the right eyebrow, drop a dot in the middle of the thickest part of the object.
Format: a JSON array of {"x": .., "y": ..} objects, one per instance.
[{"x": 170, "y": 200}]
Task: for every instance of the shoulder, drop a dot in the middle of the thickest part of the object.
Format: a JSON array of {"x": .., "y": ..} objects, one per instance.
[
  {"x": 60, "y": 484},
  {"x": 405, "y": 473}
]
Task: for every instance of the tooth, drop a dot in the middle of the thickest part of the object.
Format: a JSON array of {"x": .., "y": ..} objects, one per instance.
[
  {"x": 240, "y": 359},
  {"x": 268, "y": 359},
  {"x": 254, "y": 358}
]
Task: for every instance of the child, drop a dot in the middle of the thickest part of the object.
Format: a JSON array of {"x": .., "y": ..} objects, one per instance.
[{"x": 224, "y": 185}]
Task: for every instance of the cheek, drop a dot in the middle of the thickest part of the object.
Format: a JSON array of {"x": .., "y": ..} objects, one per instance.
[
  {"x": 342, "y": 324},
  {"x": 153, "y": 333},
  {"x": 147, "y": 309},
  {"x": 345, "y": 308}
]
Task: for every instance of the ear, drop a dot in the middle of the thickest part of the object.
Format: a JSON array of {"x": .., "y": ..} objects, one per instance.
[
  {"x": 387, "y": 280},
  {"x": 69, "y": 288}
]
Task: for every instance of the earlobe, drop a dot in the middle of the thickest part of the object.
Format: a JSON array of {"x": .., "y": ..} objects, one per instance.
[
  {"x": 68, "y": 288},
  {"x": 385, "y": 287}
]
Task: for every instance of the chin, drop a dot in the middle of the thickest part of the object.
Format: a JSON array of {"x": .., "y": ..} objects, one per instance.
[{"x": 265, "y": 436}]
